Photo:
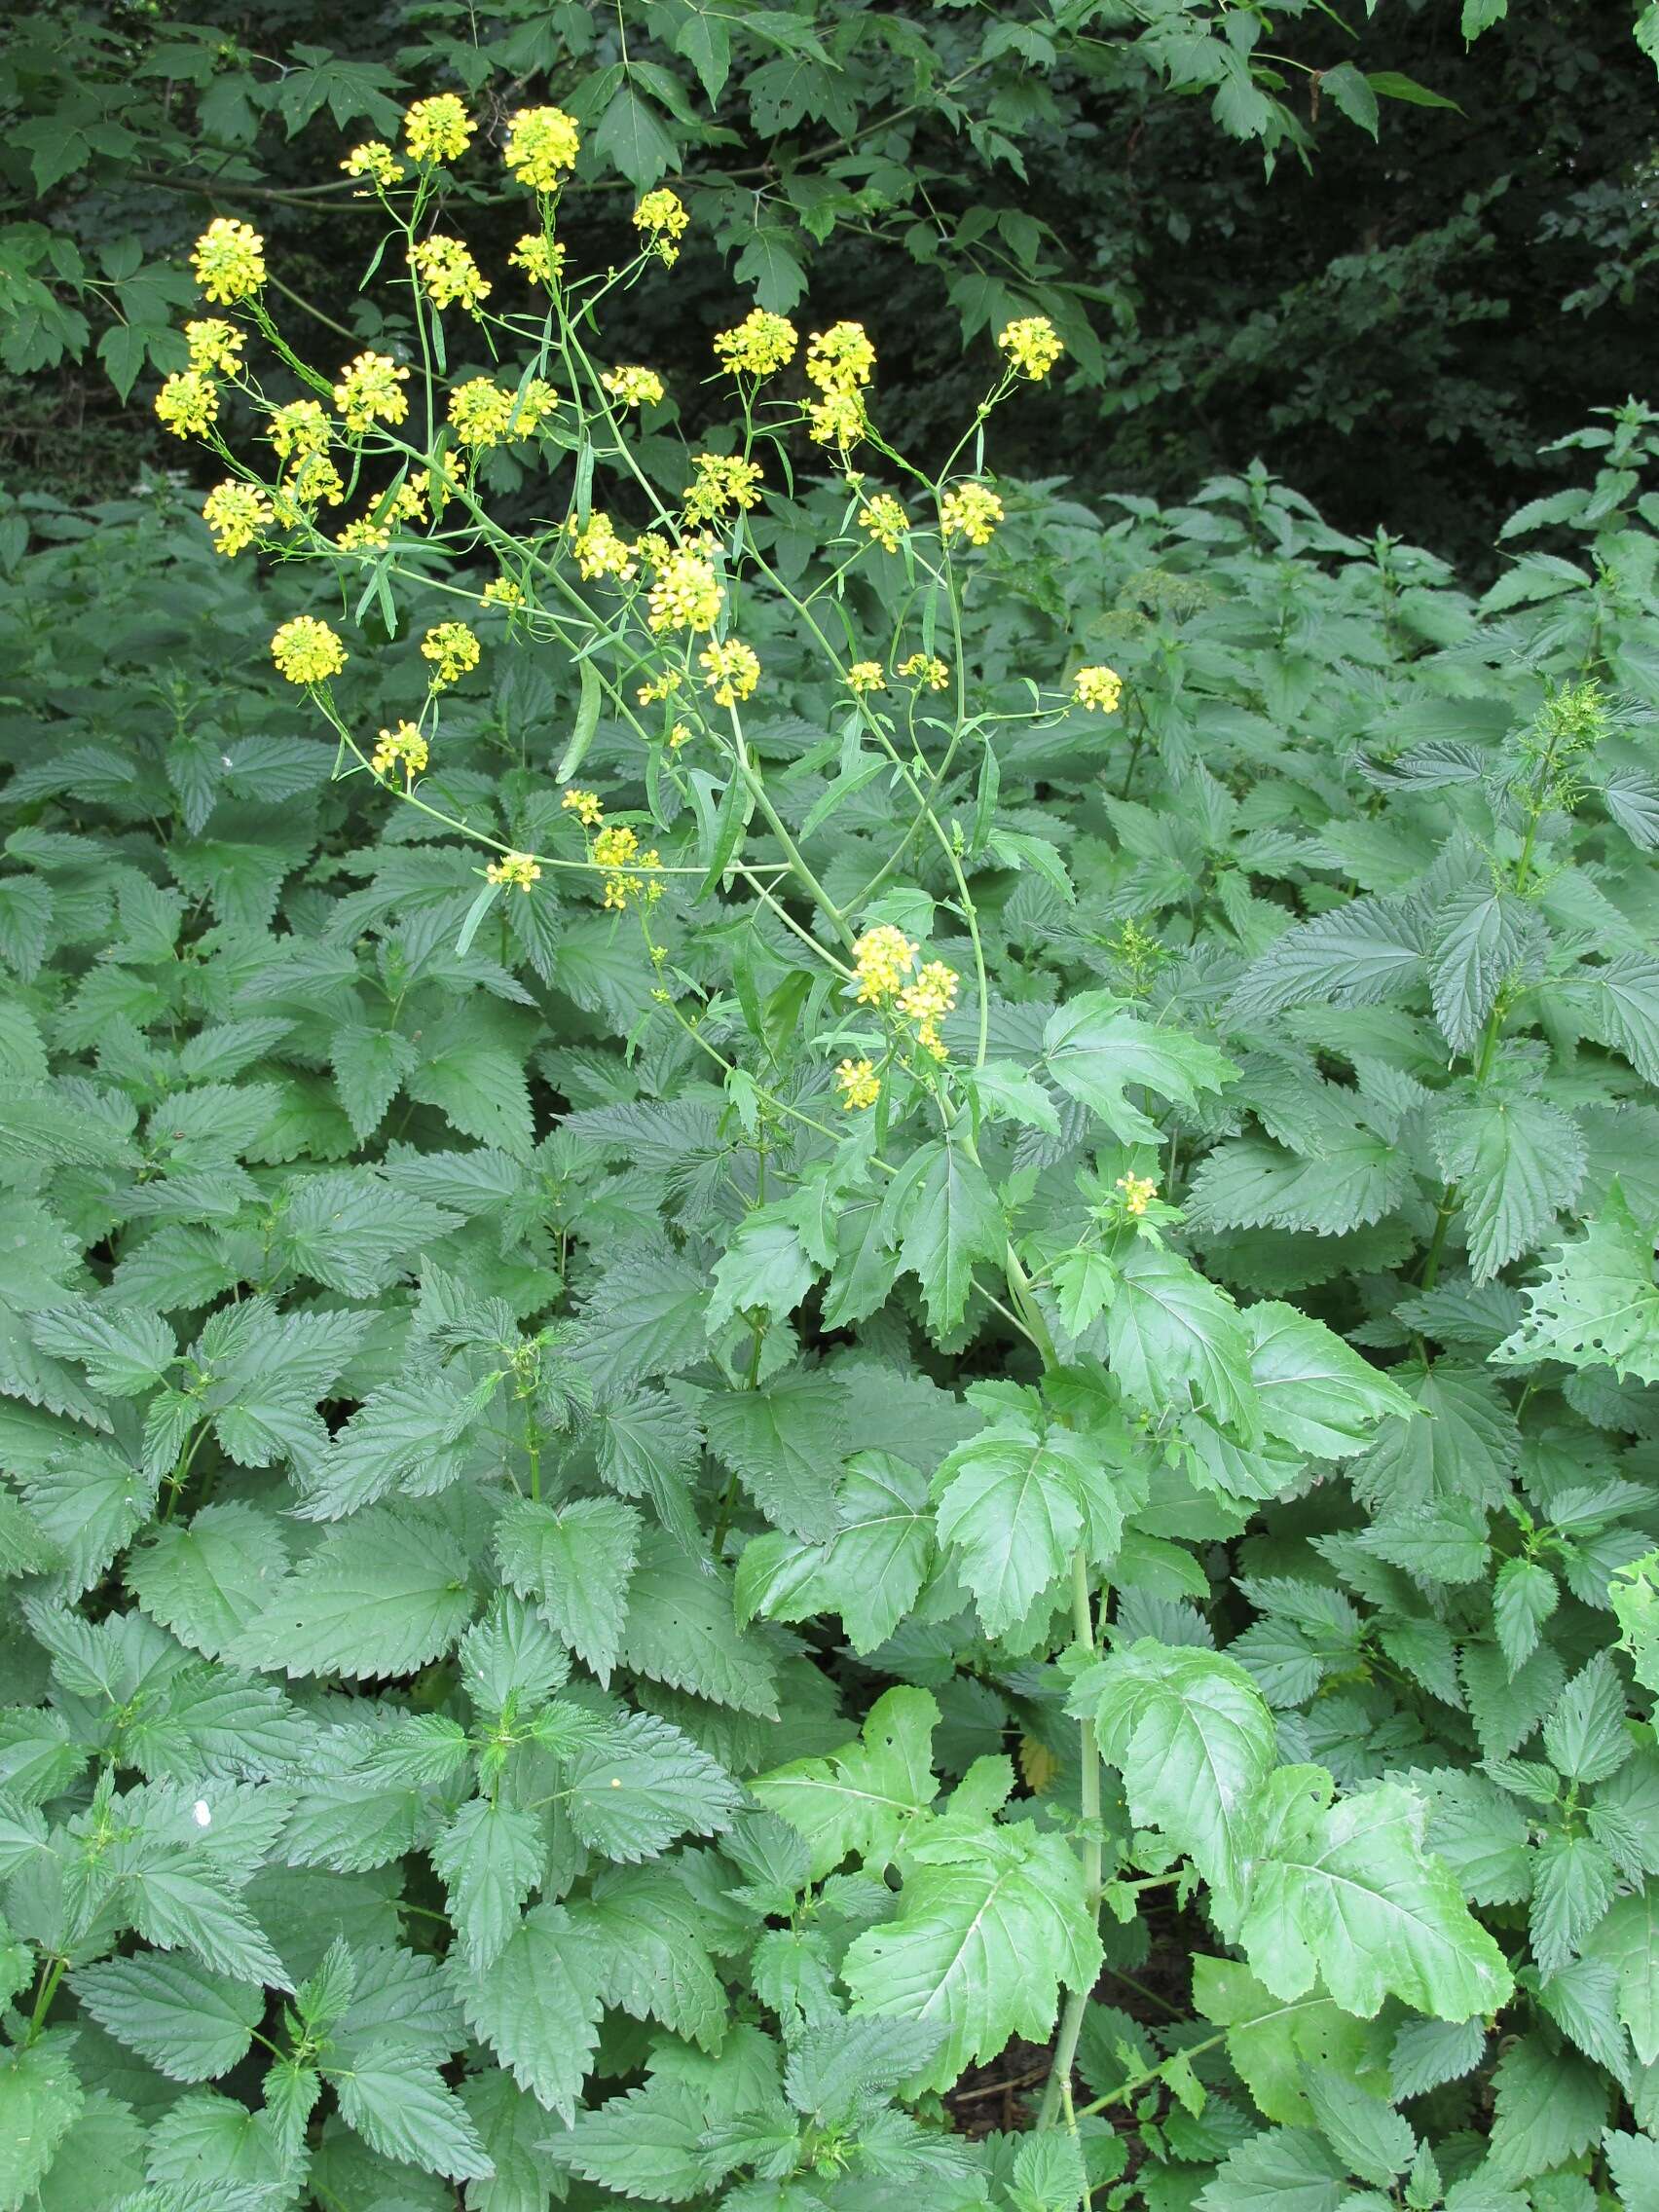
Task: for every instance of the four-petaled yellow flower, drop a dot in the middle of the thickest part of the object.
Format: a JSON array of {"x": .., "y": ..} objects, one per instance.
[
  {"x": 541, "y": 149},
  {"x": 375, "y": 160},
  {"x": 371, "y": 391},
  {"x": 403, "y": 746},
  {"x": 501, "y": 591},
  {"x": 928, "y": 668},
  {"x": 865, "y": 676},
  {"x": 306, "y": 650},
  {"x": 927, "y": 1001},
  {"x": 585, "y": 806},
  {"x": 598, "y": 549},
  {"x": 885, "y": 520},
  {"x": 633, "y": 387},
  {"x": 364, "y": 534},
  {"x": 453, "y": 650},
  {"x": 759, "y": 346},
  {"x": 1138, "y": 1190},
  {"x": 859, "y": 1085},
  {"x": 514, "y": 868},
  {"x": 678, "y": 736},
  {"x": 214, "y": 344},
  {"x": 1098, "y": 689},
  {"x": 687, "y": 595},
  {"x": 972, "y": 511},
  {"x": 1032, "y": 345},
  {"x": 840, "y": 359},
  {"x": 732, "y": 671},
  {"x": 311, "y": 481},
  {"x": 188, "y": 404},
  {"x": 229, "y": 261},
  {"x": 881, "y": 960},
  {"x": 722, "y": 481},
  {"x": 542, "y": 258},
  {"x": 662, "y": 221},
  {"x": 235, "y": 514},
  {"x": 837, "y": 420},
  {"x": 447, "y": 274},
  {"x": 299, "y": 428},
  {"x": 657, "y": 687},
  {"x": 437, "y": 130}
]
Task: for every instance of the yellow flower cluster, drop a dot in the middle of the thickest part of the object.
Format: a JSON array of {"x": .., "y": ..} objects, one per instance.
[
  {"x": 617, "y": 850},
  {"x": 453, "y": 650},
  {"x": 188, "y": 404},
  {"x": 885, "y": 520},
  {"x": 927, "y": 1001},
  {"x": 1138, "y": 1190},
  {"x": 371, "y": 391},
  {"x": 687, "y": 595},
  {"x": 928, "y": 668},
  {"x": 972, "y": 511},
  {"x": 437, "y": 130},
  {"x": 881, "y": 960},
  {"x": 599, "y": 550},
  {"x": 541, "y": 149},
  {"x": 732, "y": 671},
  {"x": 449, "y": 274},
  {"x": 364, "y": 534},
  {"x": 837, "y": 420},
  {"x": 229, "y": 261},
  {"x": 514, "y": 868},
  {"x": 585, "y": 806},
  {"x": 214, "y": 344},
  {"x": 1098, "y": 689},
  {"x": 375, "y": 160},
  {"x": 723, "y": 481},
  {"x": 662, "y": 221},
  {"x": 840, "y": 358},
  {"x": 235, "y": 514},
  {"x": 860, "y": 1085},
  {"x": 299, "y": 428},
  {"x": 501, "y": 591},
  {"x": 1032, "y": 345},
  {"x": 633, "y": 387},
  {"x": 486, "y": 414},
  {"x": 306, "y": 650},
  {"x": 678, "y": 736},
  {"x": 865, "y": 676},
  {"x": 759, "y": 346},
  {"x": 311, "y": 481},
  {"x": 659, "y": 686},
  {"x": 541, "y": 259},
  {"x": 403, "y": 746}
]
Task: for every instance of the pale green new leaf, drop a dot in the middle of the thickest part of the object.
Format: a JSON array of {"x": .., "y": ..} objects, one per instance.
[
  {"x": 862, "y": 1799},
  {"x": 1096, "y": 1046},
  {"x": 1597, "y": 1304}
]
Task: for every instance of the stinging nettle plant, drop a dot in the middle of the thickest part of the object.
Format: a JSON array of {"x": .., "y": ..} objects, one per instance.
[{"x": 578, "y": 1766}]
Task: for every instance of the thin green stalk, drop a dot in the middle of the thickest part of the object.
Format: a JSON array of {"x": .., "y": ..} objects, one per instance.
[{"x": 1058, "y": 2088}]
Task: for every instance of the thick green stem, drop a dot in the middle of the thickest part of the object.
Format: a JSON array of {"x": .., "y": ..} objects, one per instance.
[{"x": 1057, "y": 2094}]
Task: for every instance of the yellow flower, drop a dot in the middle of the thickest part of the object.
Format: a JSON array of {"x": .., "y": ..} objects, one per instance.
[
  {"x": 514, "y": 868},
  {"x": 837, "y": 420},
  {"x": 927, "y": 1001},
  {"x": 501, "y": 591},
  {"x": 306, "y": 650},
  {"x": 615, "y": 847},
  {"x": 722, "y": 481},
  {"x": 403, "y": 744},
  {"x": 758, "y": 346},
  {"x": 371, "y": 391},
  {"x": 299, "y": 428},
  {"x": 229, "y": 261},
  {"x": 617, "y": 851},
  {"x": 375, "y": 160},
  {"x": 214, "y": 344},
  {"x": 541, "y": 259},
  {"x": 633, "y": 387},
  {"x": 585, "y": 806},
  {"x": 678, "y": 736},
  {"x": 1138, "y": 1190},
  {"x": 860, "y": 1086},
  {"x": 685, "y": 596},
  {"x": 364, "y": 534},
  {"x": 453, "y": 650},
  {"x": 437, "y": 130},
  {"x": 928, "y": 668},
  {"x": 662, "y": 221},
  {"x": 485, "y": 414},
  {"x": 310, "y": 481},
  {"x": 885, "y": 520},
  {"x": 865, "y": 676},
  {"x": 1097, "y": 690},
  {"x": 598, "y": 548},
  {"x": 881, "y": 959},
  {"x": 840, "y": 359},
  {"x": 188, "y": 404},
  {"x": 449, "y": 274},
  {"x": 972, "y": 511},
  {"x": 1032, "y": 346},
  {"x": 732, "y": 671},
  {"x": 543, "y": 145},
  {"x": 661, "y": 686},
  {"x": 235, "y": 514}
]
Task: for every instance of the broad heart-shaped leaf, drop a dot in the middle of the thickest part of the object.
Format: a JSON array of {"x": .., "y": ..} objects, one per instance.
[
  {"x": 650, "y": 1937},
  {"x": 870, "y": 1569},
  {"x": 206, "y": 1580},
  {"x": 786, "y": 1442},
  {"x": 644, "y": 1784},
  {"x": 764, "y": 1268},
  {"x": 1195, "y": 1743},
  {"x": 1628, "y": 1940},
  {"x": 383, "y": 1593},
  {"x": 1597, "y": 1304},
  {"x": 1517, "y": 1163},
  {"x": 1348, "y": 1893},
  {"x": 943, "y": 1215},
  {"x": 188, "y": 2021},
  {"x": 1013, "y": 1503},
  {"x": 40, "y": 2101},
  {"x": 574, "y": 1562},
  {"x": 402, "y": 2107},
  {"x": 1481, "y": 933},
  {"x": 1176, "y": 1341},
  {"x": 538, "y": 2006},
  {"x": 991, "y": 1923},
  {"x": 863, "y": 1798},
  {"x": 1316, "y": 1393},
  {"x": 1095, "y": 1047}
]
